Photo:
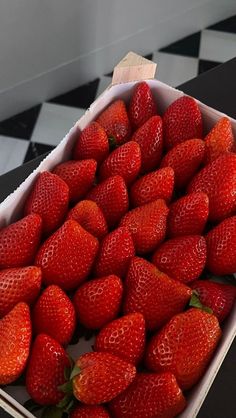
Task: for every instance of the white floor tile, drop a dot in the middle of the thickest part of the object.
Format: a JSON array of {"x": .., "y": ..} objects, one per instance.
[
  {"x": 103, "y": 84},
  {"x": 12, "y": 153},
  {"x": 175, "y": 69},
  {"x": 217, "y": 46},
  {"x": 54, "y": 122}
]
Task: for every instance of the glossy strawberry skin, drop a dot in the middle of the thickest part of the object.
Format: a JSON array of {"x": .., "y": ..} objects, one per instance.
[
  {"x": 182, "y": 258},
  {"x": 221, "y": 248},
  {"x": 45, "y": 371},
  {"x": 112, "y": 197},
  {"x": 182, "y": 120},
  {"x": 184, "y": 346},
  {"x": 92, "y": 144},
  {"x": 19, "y": 241},
  {"x": 54, "y": 315},
  {"x": 78, "y": 175},
  {"x": 124, "y": 337},
  {"x": 66, "y": 257},
  {"x": 15, "y": 339},
  {"x": 90, "y": 301},
  {"x": 220, "y": 140},
  {"x": 115, "y": 253},
  {"x": 218, "y": 181},
  {"x": 153, "y": 293},
  {"x": 102, "y": 377},
  {"x": 90, "y": 217},
  {"x": 150, "y": 139},
  {"x": 114, "y": 119},
  {"x": 188, "y": 215},
  {"x": 89, "y": 411},
  {"x": 124, "y": 161},
  {"x": 150, "y": 395},
  {"x": 147, "y": 225},
  {"x": 156, "y": 185},
  {"x": 48, "y": 198},
  {"x": 185, "y": 159},
  {"x": 18, "y": 285},
  {"x": 142, "y": 105}
]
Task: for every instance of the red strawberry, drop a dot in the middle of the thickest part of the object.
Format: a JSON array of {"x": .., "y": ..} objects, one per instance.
[
  {"x": 114, "y": 119},
  {"x": 49, "y": 198},
  {"x": 182, "y": 258},
  {"x": 18, "y": 285},
  {"x": 45, "y": 371},
  {"x": 91, "y": 301},
  {"x": 220, "y": 140},
  {"x": 90, "y": 217},
  {"x": 112, "y": 197},
  {"x": 54, "y": 315},
  {"x": 125, "y": 161},
  {"x": 153, "y": 293},
  {"x": 142, "y": 105},
  {"x": 78, "y": 175},
  {"x": 115, "y": 253},
  {"x": 188, "y": 215},
  {"x": 184, "y": 346},
  {"x": 19, "y": 241},
  {"x": 185, "y": 159},
  {"x": 102, "y": 377},
  {"x": 15, "y": 338},
  {"x": 150, "y": 139},
  {"x": 66, "y": 257},
  {"x": 123, "y": 337},
  {"x": 92, "y": 144},
  {"x": 147, "y": 225},
  {"x": 89, "y": 411},
  {"x": 151, "y": 395},
  {"x": 216, "y": 296},
  {"x": 218, "y": 181},
  {"x": 182, "y": 120},
  {"x": 221, "y": 247},
  {"x": 156, "y": 185}
]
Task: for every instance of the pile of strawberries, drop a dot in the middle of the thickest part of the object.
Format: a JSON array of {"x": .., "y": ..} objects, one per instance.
[{"x": 122, "y": 240}]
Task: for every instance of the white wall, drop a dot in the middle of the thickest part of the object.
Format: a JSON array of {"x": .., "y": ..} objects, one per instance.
[{"x": 49, "y": 46}]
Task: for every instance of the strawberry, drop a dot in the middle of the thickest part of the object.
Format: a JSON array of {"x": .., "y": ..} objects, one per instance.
[
  {"x": 78, "y": 175},
  {"x": 150, "y": 139},
  {"x": 115, "y": 253},
  {"x": 156, "y": 185},
  {"x": 90, "y": 217},
  {"x": 123, "y": 337},
  {"x": 18, "y": 285},
  {"x": 66, "y": 257},
  {"x": 125, "y": 161},
  {"x": 92, "y": 144},
  {"x": 45, "y": 371},
  {"x": 219, "y": 140},
  {"x": 89, "y": 411},
  {"x": 216, "y": 296},
  {"x": 218, "y": 181},
  {"x": 184, "y": 346},
  {"x": 49, "y": 198},
  {"x": 188, "y": 215},
  {"x": 147, "y": 225},
  {"x": 151, "y": 395},
  {"x": 221, "y": 247},
  {"x": 182, "y": 258},
  {"x": 90, "y": 301},
  {"x": 142, "y": 105},
  {"x": 153, "y": 293},
  {"x": 54, "y": 315},
  {"x": 102, "y": 377},
  {"x": 15, "y": 338},
  {"x": 185, "y": 159},
  {"x": 112, "y": 197},
  {"x": 182, "y": 120},
  {"x": 19, "y": 241},
  {"x": 114, "y": 119}
]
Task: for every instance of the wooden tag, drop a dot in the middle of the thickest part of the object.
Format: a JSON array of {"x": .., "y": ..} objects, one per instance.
[{"x": 133, "y": 67}]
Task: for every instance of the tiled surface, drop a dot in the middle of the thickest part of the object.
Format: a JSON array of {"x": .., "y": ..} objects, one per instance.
[{"x": 38, "y": 130}]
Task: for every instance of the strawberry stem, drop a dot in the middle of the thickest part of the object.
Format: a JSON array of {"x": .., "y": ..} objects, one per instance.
[
  {"x": 76, "y": 370},
  {"x": 112, "y": 143},
  {"x": 196, "y": 303}
]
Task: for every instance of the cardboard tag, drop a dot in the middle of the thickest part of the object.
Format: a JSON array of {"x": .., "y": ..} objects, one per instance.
[{"x": 133, "y": 67}]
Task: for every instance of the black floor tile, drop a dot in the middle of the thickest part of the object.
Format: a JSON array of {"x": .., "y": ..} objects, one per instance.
[
  {"x": 188, "y": 46},
  {"x": 21, "y": 125},
  {"x": 205, "y": 65},
  {"x": 81, "y": 97},
  {"x": 35, "y": 150},
  {"x": 227, "y": 25}
]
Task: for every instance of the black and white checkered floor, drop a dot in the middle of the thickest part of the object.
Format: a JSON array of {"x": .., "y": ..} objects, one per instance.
[{"x": 38, "y": 130}]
